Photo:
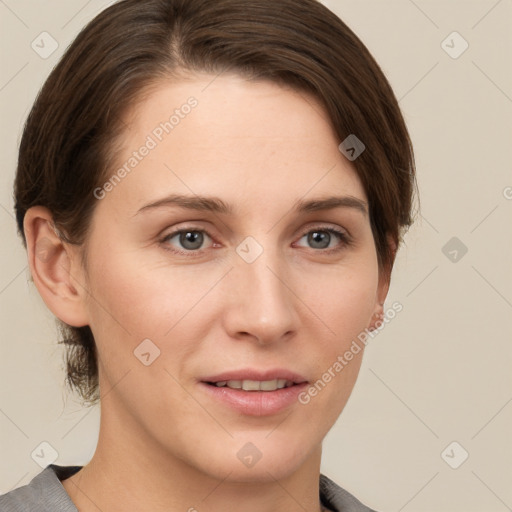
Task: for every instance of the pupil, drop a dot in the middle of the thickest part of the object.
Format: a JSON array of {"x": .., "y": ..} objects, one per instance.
[
  {"x": 319, "y": 239},
  {"x": 191, "y": 240}
]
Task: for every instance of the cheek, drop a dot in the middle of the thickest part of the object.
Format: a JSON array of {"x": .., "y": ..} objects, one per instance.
[
  {"x": 343, "y": 299},
  {"x": 336, "y": 356},
  {"x": 344, "y": 302},
  {"x": 132, "y": 301},
  {"x": 142, "y": 299}
]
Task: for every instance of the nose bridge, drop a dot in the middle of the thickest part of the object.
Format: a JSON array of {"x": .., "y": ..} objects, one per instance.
[{"x": 263, "y": 305}]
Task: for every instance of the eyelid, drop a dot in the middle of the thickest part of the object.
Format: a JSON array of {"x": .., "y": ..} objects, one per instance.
[
  {"x": 325, "y": 227},
  {"x": 342, "y": 234},
  {"x": 190, "y": 253}
]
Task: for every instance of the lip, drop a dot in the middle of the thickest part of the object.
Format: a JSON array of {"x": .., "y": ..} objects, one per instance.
[
  {"x": 252, "y": 374},
  {"x": 255, "y": 403}
]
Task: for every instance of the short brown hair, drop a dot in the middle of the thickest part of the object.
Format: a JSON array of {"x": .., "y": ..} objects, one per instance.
[{"x": 67, "y": 143}]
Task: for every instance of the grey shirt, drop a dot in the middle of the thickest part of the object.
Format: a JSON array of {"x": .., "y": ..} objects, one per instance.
[{"x": 45, "y": 493}]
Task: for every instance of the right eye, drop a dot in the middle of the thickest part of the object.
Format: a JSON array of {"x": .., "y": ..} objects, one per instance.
[{"x": 187, "y": 240}]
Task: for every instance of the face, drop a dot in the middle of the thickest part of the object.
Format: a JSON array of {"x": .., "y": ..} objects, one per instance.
[{"x": 235, "y": 251}]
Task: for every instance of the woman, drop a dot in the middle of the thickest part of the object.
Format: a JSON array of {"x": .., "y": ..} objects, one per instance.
[{"x": 211, "y": 194}]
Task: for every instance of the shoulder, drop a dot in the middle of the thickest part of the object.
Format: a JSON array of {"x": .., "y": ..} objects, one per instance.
[
  {"x": 339, "y": 500},
  {"x": 44, "y": 493}
]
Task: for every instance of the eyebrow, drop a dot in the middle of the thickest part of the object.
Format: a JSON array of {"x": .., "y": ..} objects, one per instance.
[{"x": 217, "y": 205}]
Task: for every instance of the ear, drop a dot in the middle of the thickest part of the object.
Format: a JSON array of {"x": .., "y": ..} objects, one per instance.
[
  {"x": 383, "y": 287},
  {"x": 55, "y": 267}
]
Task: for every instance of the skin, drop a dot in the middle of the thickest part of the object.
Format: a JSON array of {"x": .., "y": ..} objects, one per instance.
[{"x": 260, "y": 148}]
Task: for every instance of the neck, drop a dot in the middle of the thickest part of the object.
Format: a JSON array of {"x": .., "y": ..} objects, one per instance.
[{"x": 131, "y": 472}]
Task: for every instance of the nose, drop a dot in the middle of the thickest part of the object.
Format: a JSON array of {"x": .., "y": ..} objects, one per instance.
[{"x": 261, "y": 305}]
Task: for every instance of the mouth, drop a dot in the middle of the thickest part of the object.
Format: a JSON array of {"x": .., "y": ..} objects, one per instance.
[
  {"x": 255, "y": 393},
  {"x": 254, "y": 385},
  {"x": 256, "y": 380}
]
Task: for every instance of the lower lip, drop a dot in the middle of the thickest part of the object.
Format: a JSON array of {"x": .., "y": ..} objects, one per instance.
[{"x": 256, "y": 403}]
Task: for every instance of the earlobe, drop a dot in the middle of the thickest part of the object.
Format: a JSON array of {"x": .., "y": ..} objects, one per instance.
[
  {"x": 52, "y": 263},
  {"x": 377, "y": 318}
]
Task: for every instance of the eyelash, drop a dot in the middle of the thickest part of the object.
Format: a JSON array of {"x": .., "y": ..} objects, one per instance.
[{"x": 343, "y": 237}]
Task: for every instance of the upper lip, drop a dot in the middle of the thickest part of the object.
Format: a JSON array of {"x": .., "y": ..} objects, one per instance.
[{"x": 253, "y": 374}]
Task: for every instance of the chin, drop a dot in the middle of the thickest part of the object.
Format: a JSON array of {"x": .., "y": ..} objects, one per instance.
[{"x": 259, "y": 461}]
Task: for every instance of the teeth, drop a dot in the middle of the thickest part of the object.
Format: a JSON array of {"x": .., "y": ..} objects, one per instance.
[
  {"x": 255, "y": 385},
  {"x": 268, "y": 385},
  {"x": 250, "y": 385}
]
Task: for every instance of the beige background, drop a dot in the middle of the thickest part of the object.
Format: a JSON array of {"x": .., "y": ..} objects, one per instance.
[{"x": 441, "y": 371}]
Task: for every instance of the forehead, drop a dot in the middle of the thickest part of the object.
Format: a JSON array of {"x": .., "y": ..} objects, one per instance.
[{"x": 232, "y": 138}]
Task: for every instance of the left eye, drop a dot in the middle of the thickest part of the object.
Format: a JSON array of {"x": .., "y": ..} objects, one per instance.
[
  {"x": 188, "y": 239},
  {"x": 323, "y": 238}
]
